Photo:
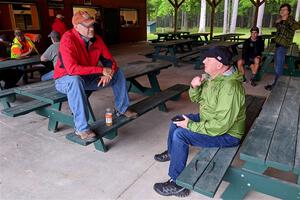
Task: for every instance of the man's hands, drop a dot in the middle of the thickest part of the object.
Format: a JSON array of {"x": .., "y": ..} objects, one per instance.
[
  {"x": 104, "y": 80},
  {"x": 183, "y": 123},
  {"x": 197, "y": 81},
  {"x": 107, "y": 72},
  {"x": 107, "y": 76}
]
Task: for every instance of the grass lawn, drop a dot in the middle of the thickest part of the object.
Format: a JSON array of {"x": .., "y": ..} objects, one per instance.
[{"x": 218, "y": 30}]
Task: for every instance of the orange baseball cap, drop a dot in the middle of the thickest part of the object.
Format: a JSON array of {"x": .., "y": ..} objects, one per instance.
[{"x": 82, "y": 16}]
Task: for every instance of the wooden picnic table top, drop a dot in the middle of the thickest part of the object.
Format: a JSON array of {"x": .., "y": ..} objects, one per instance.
[
  {"x": 195, "y": 35},
  {"x": 272, "y": 140},
  {"x": 45, "y": 91},
  {"x": 171, "y": 43},
  {"x": 219, "y": 43},
  {"x": 266, "y": 36},
  {"x": 173, "y": 33},
  {"x": 228, "y": 35},
  {"x": 11, "y": 63}
]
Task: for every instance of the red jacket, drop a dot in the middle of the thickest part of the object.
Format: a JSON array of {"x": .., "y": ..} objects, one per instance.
[
  {"x": 77, "y": 60},
  {"x": 59, "y": 26}
]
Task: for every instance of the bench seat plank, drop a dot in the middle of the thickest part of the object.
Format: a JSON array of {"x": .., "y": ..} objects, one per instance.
[
  {"x": 7, "y": 92},
  {"x": 256, "y": 145},
  {"x": 24, "y": 108},
  {"x": 140, "y": 107},
  {"x": 190, "y": 175},
  {"x": 282, "y": 149},
  {"x": 212, "y": 177}
]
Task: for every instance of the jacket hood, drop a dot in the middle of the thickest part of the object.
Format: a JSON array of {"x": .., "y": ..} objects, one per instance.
[{"x": 231, "y": 74}]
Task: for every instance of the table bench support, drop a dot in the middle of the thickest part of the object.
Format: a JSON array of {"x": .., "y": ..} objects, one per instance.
[
  {"x": 100, "y": 146},
  {"x": 156, "y": 88},
  {"x": 242, "y": 181}
]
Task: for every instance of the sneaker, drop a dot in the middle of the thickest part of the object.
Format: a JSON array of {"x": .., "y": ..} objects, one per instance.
[
  {"x": 88, "y": 136},
  {"x": 171, "y": 188},
  {"x": 269, "y": 87},
  {"x": 163, "y": 157},
  {"x": 130, "y": 114}
]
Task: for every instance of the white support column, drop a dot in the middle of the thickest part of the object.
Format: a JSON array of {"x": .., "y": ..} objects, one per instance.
[
  {"x": 261, "y": 11},
  {"x": 234, "y": 16},
  {"x": 202, "y": 16}
]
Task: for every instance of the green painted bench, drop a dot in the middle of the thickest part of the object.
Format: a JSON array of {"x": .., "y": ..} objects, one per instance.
[
  {"x": 205, "y": 172},
  {"x": 141, "y": 107}
]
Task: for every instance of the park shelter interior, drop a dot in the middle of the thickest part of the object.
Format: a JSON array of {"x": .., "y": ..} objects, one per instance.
[{"x": 36, "y": 16}]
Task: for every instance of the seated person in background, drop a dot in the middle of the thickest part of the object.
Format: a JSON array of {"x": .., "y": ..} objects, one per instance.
[
  {"x": 23, "y": 44},
  {"x": 251, "y": 55},
  {"x": 220, "y": 123},
  {"x": 78, "y": 69},
  {"x": 51, "y": 54},
  {"x": 10, "y": 77}
]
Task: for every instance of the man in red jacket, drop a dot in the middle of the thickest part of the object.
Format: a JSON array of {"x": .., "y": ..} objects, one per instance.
[
  {"x": 78, "y": 69},
  {"x": 58, "y": 25}
]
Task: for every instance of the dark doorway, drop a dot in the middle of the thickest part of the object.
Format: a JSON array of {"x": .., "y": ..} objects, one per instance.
[{"x": 111, "y": 18}]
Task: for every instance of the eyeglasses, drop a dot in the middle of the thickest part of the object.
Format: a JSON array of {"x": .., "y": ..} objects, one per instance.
[{"x": 88, "y": 27}]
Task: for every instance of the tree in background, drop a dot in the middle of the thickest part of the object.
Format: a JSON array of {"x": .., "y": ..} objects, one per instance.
[
  {"x": 213, "y": 4},
  {"x": 163, "y": 13},
  {"x": 176, "y": 5}
]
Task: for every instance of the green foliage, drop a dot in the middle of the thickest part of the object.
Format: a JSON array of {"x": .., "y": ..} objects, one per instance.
[
  {"x": 244, "y": 6},
  {"x": 219, "y": 30}
]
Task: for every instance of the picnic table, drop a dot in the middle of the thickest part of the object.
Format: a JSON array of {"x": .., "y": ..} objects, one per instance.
[
  {"x": 27, "y": 61},
  {"x": 273, "y": 141},
  {"x": 228, "y": 36},
  {"x": 172, "y": 50},
  {"x": 292, "y": 56},
  {"x": 197, "y": 37},
  {"x": 161, "y": 37},
  {"x": 13, "y": 63},
  {"x": 44, "y": 94},
  {"x": 267, "y": 37},
  {"x": 47, "y": 101}
]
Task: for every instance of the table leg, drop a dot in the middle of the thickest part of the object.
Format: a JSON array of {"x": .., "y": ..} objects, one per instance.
[
  {"x": 156, "y": 53},
  {"x": 251, "y": 178},
  {"x": 264, "y": 66},
  {"x": 156, "y": 88},
  {"x": 53, "y": 121},
  {"x": 172, "y": 51}
]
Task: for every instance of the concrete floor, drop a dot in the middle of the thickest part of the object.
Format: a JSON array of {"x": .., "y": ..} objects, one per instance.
[{"x": 36, "y": 164}]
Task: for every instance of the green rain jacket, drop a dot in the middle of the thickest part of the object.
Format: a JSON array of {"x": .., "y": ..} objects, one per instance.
[{"x": 222, "y": 106}]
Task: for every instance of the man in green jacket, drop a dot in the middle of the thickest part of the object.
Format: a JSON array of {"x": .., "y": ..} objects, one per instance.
[{"x": 220, "y": 123}]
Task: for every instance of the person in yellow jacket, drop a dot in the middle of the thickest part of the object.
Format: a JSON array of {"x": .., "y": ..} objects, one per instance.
[{"x": 23, "y": 44}]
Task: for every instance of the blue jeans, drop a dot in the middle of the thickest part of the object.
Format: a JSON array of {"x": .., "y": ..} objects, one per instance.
[
  {"x": 75, "y": 86},
  {"x": 180, "y": 138},
  {"x": 48, "y": 76},
  {"x": 279, "y": 60}
]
